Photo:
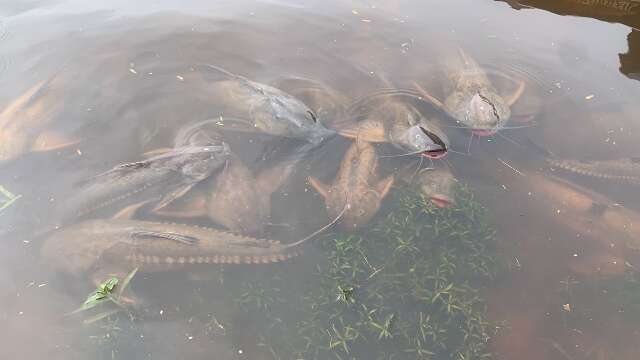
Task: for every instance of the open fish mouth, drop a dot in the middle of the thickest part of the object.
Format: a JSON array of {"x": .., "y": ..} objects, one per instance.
[
  {"x": 435, "y": 154},
  {"x": 484, "y": 132},
  {"x": 441, "y": 201},
  {"x": 441, "y": 147}
]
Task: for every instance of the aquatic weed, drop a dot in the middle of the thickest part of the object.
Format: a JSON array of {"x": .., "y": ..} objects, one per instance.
[
  {"x": 7, "y": 198},
  {"x": 411, "y": 286}
]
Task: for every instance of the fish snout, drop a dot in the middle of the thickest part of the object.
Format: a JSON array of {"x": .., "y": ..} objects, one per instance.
[
  {"x": 434, "y": 145},
  {"x": 442, "y": 200},
  {"x": 484, "y": 115}
]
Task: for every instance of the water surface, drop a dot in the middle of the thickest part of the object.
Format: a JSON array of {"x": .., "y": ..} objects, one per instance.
[{"x": 123, "y": 79}]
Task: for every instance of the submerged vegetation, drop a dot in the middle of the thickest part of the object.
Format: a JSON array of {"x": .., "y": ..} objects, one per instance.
[
  {"x": 7, "y": 198},
  {"x": 110, "y": 292},
  {"x": 412, "y": 285}
]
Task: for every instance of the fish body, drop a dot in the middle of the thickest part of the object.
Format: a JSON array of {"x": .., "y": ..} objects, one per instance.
[
  {"x": 162, "y": 178},
  {"x": 103, "y": 247},
  {"x": 240, "y": 200},
  {"x": 437, "y": 185},
  {"x": 621, "y": 170},
  {"x": 265, "y": 109},
  {"x": 327, "y": 104},
  {"x": 356, "y": 187},
  {"x": 236, "y": 198},
  {"x": 585, "y": 211},
  {"x": 22, "y": 123},
  {"x": 402, "y": 125},
  {"x": 471, "y": 99}
]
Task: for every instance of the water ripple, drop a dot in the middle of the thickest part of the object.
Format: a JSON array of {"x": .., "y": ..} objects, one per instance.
[{"x": 4, "y": 32}]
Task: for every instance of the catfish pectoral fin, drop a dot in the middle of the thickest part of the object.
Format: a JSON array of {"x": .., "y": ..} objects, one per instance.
[
  {"x": 8, "y": 113},
  {"x": 173, "y": 195},
  {"x": 362, "y": 133},
  {"x": 270, "y": 180},
  {"x": 319, "y": 186},
  {"x": 129, "y": 211},
  {"x": 156, "y": 152},
  {"x": 517, "y": 93},
  {"x": 384, "y": 186},
  {"x": 50, "y": 140},
  {"x": 194, "y": 208},
  {"x": 424, "y": 93},
  {"x": 183, "y": 239}
]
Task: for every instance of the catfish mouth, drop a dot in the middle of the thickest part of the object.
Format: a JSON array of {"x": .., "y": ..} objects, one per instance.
[
  {"x": 441, "y": 148},
  {"x": 435, "y": 154},
  {"x": 441, "y": 201},
  {"x": 484, "y": 132}
]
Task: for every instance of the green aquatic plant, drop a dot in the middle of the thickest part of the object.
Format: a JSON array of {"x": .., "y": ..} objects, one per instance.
[
  {"x": 411, "y": 286},
  {"x": 109, "y": 292},
  {"x": 7, "y": 198}
]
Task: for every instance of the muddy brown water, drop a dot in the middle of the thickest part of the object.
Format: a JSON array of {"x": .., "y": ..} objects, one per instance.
[{"x": 123, "y": 81}]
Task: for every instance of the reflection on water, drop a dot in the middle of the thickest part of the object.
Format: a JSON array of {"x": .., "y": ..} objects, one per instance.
[
  {"x": 618, "y": 11},
  {"x": 398, "y": 179},
  {"x": 629, "y": 61}
]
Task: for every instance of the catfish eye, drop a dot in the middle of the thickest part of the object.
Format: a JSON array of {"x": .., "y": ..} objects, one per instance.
[
  {"x": 313, "y": 116},
  {"x": 433, "y": 137}
]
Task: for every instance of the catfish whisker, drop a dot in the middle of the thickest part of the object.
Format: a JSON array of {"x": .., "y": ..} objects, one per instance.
[
  {"x": 458, "y": 152},
  {"x": 508, "y": 139},
  {"x": 469, "y": 144},
  {"x": 401, "y": 155},
  {"x": 518, "y": 127}
]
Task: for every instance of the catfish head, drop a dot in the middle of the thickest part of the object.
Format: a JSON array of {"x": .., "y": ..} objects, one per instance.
[
  {"x": 412, "y": 132},
  {"x": 194, "y": 162},
  {"x": 438, "y": 185},
  {"x": 484, "y": 112},
  {"x": 281, "y": 114}
]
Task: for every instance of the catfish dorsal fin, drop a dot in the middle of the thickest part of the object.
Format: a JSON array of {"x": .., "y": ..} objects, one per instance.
[
  {"x": 365, "y": 130},
  {"x": 319, "y": 186},
  {"x": 129, "y": 211},
  {"x": 269, "y": 180},
  {"x": 598, "y": 208},
  {"x": 195, "y": 206},
  {"x": 150, "y": 235},
  {"x": 50, "y": 140},
  {"x": 384, "y": 186},
  {"x": 177, "y": 193}
]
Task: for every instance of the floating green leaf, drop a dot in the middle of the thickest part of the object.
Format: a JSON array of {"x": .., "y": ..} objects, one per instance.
[
  {"x": 104, "y": 293},
  {"x": 7, "y": 198}
]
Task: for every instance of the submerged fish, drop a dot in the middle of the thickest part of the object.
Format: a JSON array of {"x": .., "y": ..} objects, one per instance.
[
  {"x": 327, "y": 104},
  {"x": 113, "y": 247},
  {"x": 438, "y": 185},
  {"x": 356, "y": 187},
  {"x": 401, "y": 125},
  {"x": 255, "y": 107},
  {"x": 236, "y": 198},
  {"x": 23, "y": 121},
  {"x": 585, "y": 211},
  {"x": 471, "y": 97},
  {"x": 625, "y": 170},
  {"x": 163, "y": 179}
]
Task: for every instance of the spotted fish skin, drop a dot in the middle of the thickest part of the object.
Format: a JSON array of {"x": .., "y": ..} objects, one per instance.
[
  {"x": 621, "y": 170},
  {"x": 356, "y": 188},
  {"x": 169, "y": 174},
  {"x": 472, "y": 99},
  {"x": 117, "y": 246}
]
